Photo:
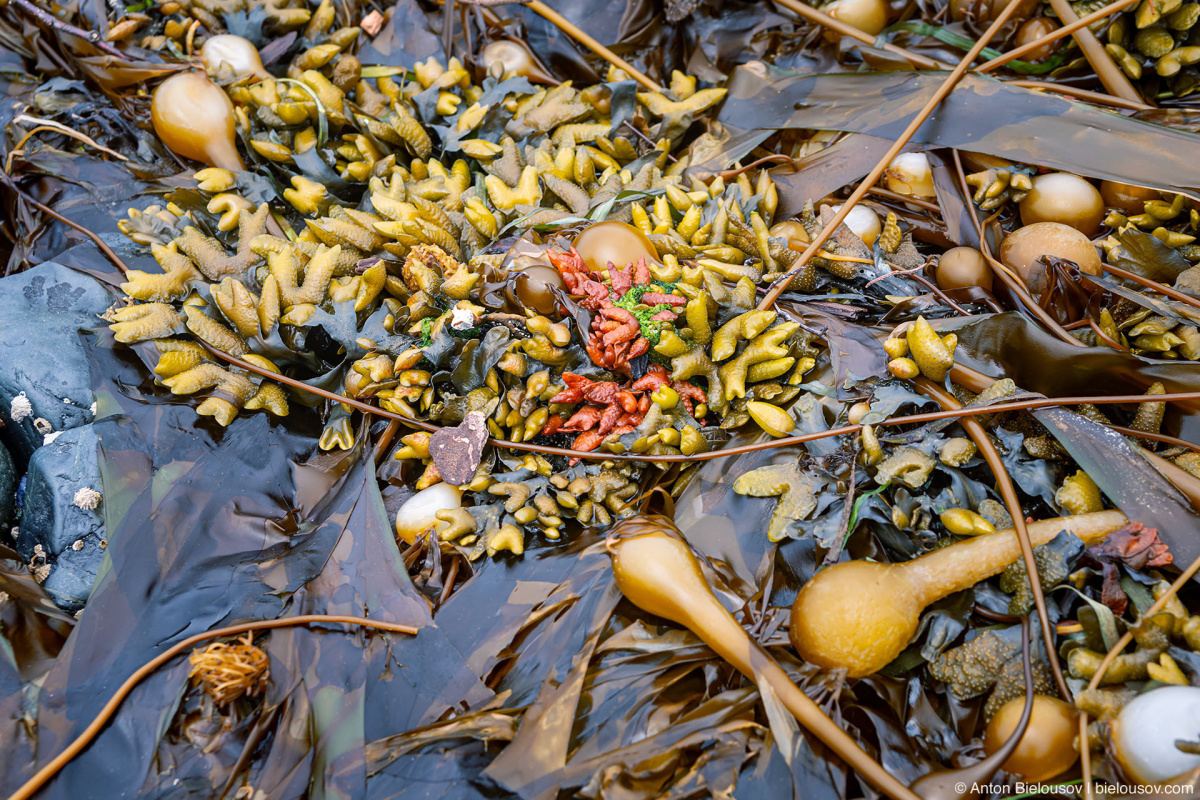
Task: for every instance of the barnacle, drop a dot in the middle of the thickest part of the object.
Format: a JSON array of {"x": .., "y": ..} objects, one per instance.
[{"x": 789, "y": 484}]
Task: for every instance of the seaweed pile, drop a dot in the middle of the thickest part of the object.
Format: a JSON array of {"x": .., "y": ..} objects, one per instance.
[{"x": 717, "y": 422}]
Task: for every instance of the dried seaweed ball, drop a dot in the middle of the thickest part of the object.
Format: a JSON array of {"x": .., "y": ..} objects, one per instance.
[
  {"x": 1022, "y": 248},
  {"x": 1145, "y": 732},
  {"x": 237, "y": 54},
  {"x": 960, "y": 267}
]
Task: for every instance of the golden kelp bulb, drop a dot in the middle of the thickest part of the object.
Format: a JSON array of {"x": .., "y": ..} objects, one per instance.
[
  {"x": 1145, "y": 732},
  {"x": 618, "y": 242},
  {"x": 234, "y": 53},
  {"x": 418, "y": 514},
  {"x": 909, "y": 173},
  {"x": 1022, "y": 248},
  {"x": 1048, "y": 746},
  {"x": 193, "y": 117},
  {"x": 863, "y": 222},
  {"x": 861, "y": 614},
  {"x": 1065, "y": 198},
  {"x": 1031, "y": 31},
  {"x": 960, "y": 267},
  {"x": 533, "y": 287},
  {"x": 1125, "y": 197},
  {"x": 791, "y": 231},
  {"x": 869, "y": 16},
  {"x": 512, "y": 58}
]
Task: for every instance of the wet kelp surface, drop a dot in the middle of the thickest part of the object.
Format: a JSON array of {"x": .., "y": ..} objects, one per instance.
[{"x": 529, "y": 674}]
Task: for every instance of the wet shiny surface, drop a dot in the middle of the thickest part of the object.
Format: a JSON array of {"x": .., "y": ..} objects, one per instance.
[
  {"x": 616, "y": 242},
  {"x": 1068, "y": 199},
  {"x": 1047, "y": 748},
  {"x": 194, "y": 117},
  {"x": 960, "y": 267}
]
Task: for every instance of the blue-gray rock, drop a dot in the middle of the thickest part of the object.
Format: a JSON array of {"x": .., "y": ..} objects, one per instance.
[
  {"x": 70, "y": 536},
  {"x": 8, "y": 486},
  {"x": 41, "y": 311}
]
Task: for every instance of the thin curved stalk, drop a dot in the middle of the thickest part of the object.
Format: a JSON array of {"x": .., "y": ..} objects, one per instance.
[
  {"x": 1085, "y": 756},
  {"x": 824, "y": 20},
  {"x": 1055, "y": 35},
  {"x": 1107, "y": 71},
  {"x": 864, "y": 186},
  {"x": 81, "y": 741},
  {"x": 1004, "y": 481}
]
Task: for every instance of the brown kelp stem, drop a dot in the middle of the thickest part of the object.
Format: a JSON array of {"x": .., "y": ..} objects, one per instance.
[
  {"x": 1004, "y": 481},
  {"x": 656, "y": 571},
  {"x": 94, "y": 727},
  {"x": 1054, "y": 36},
  {"x": 104, "y": 248},
  {"x": 1107, "y": 71},
  {"x": 1082, "y": 94},
  {"x": 821, "y": 18},
  {"x": 1085, "y": 759},
  {"x": 860, "y": 615},
  {"x": 1153, "y": 285},
  {"x": 1006, "y": 276},
  {"x": 731, "y": 451},
  {"x": 572, "y": 30},
  {"x": 861, "y": 190},
  {"x": 57, "y": 24}
]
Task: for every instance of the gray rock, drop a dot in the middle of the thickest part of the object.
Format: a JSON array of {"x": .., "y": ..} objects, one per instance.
[
  {"x": 41, "y": 310},
  {"x": 8, "y": 485},
  {"x": 69, "y": 536}
]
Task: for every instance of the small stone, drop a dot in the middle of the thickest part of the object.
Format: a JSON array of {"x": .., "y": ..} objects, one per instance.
[
  {"x": 41, "y": 312},
  {"x": 52, "y": 522}
]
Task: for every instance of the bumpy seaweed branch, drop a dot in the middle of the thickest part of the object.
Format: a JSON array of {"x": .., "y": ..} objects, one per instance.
[
  {"x": 731, "y": 451},
  {"x": 1004, "y": 481},
  {"x": 1085, "y": 759}
]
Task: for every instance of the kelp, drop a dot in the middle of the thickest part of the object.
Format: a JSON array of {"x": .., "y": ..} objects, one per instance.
[
  {"x": 531, "y": 677},
  {"x": 980, "y": 115}
]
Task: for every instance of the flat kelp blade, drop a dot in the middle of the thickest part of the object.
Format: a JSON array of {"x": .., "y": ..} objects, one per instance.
[
  {"x": 1133, "y": 485},
  {"x": 981, "y": 115},
  {"x": 209, "y": 526},
  {"x": 1009, "y": 345}
]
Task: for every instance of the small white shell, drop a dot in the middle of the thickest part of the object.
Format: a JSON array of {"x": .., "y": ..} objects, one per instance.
[
  {"x": 864, "y": 222},
  {"x": 417, "y": 515},
  {"x": 1145, "y": 731}
]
